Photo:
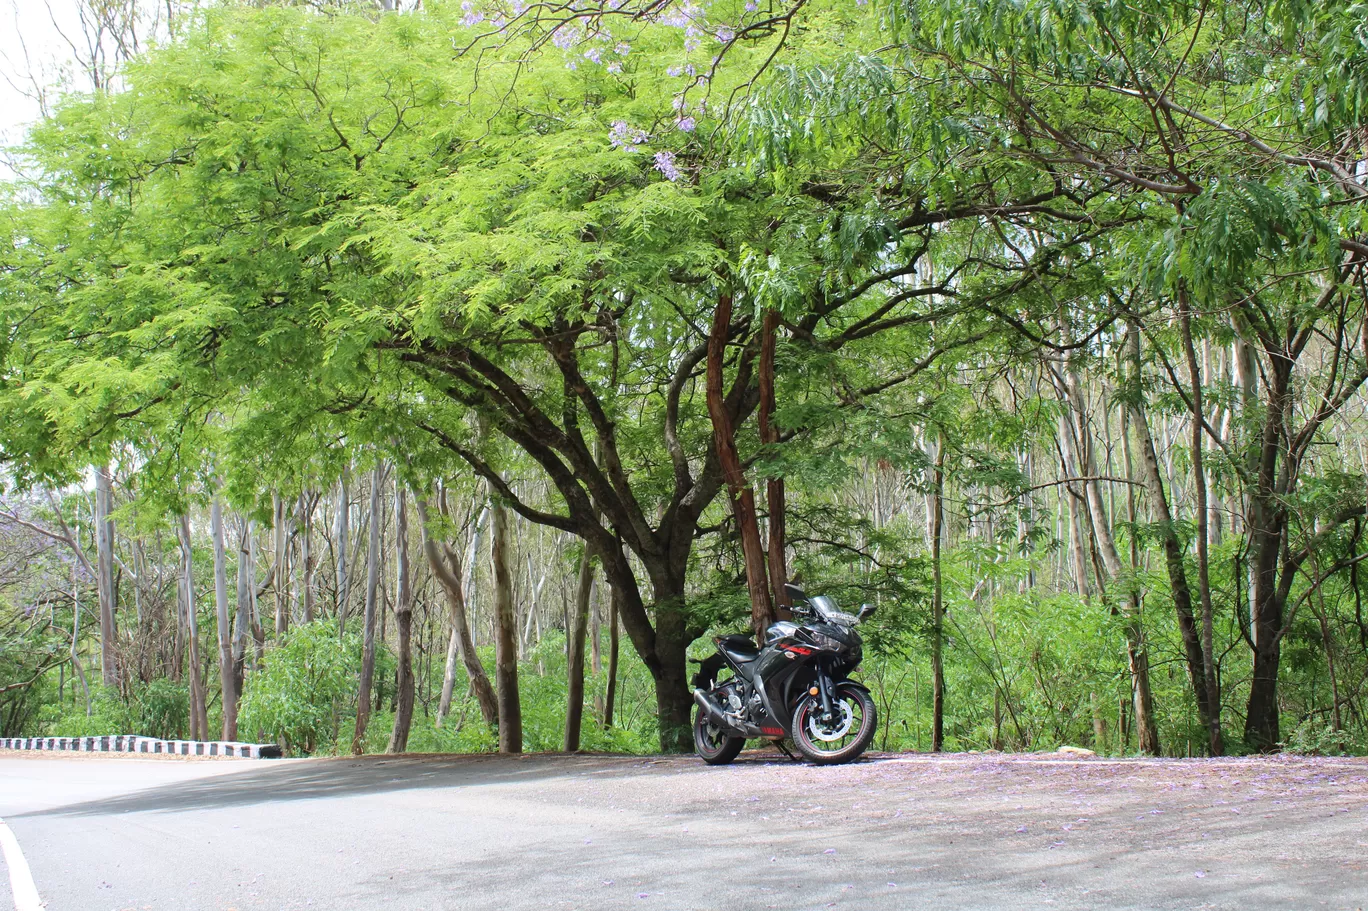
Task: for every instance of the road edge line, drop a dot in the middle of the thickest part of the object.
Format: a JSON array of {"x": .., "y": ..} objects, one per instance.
[{"x": 21, "y": 878}]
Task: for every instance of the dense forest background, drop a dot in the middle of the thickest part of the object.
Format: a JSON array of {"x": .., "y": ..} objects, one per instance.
[{"x": 443, "y": 378}]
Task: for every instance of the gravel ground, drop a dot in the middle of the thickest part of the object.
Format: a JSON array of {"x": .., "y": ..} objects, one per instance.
[{"x": 954, "y": 833}]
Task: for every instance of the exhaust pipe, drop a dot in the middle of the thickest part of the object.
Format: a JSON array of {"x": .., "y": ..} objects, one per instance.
[{"x": 713, "y": 712}]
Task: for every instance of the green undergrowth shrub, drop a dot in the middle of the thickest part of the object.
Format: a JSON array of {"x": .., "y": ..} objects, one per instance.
[
  {"x": 306, "y": 688},
  {"x": 1315, "y": 737},
  {"x": 542, "y": 692},
  {"x": 160, "y": 708}
]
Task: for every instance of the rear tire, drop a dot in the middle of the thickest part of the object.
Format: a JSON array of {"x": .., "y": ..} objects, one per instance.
[
  {"x": 714, "y": 747},
  {"x": 859, "y": 726}
]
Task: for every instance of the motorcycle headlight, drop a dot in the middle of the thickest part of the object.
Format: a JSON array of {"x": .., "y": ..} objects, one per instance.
[{"x": 823, "y": 641}]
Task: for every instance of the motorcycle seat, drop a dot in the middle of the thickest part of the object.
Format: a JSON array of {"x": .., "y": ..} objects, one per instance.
[{"x": 738, "y": 647}]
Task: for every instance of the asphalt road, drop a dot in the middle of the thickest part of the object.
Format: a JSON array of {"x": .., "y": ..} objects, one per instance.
[{"x": 947, "y": 833}]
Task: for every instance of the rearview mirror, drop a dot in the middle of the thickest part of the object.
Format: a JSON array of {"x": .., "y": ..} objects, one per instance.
[{"x": 867, "y": 610}]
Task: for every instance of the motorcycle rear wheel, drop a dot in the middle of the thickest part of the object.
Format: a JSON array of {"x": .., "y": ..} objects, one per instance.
[
  {"x": 713, "y": 745},
  {"x": 840, "y": 740}
]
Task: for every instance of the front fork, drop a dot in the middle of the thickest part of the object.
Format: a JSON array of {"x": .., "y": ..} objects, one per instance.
[{"x": 825, "y": 688}]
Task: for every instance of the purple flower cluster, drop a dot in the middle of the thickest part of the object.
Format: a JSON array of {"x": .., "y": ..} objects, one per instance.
[
  {"x": 626, "y": 137},
  {"x": 472, "y": 17},
  {"x": 567, "y": 38},
  {"x": 665, "y": 164}
]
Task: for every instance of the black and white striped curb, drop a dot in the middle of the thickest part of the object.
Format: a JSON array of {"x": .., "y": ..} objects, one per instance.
[{"x": 131, "y": 743}]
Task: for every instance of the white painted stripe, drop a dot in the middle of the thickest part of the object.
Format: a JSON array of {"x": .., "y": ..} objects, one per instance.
[{"x": 21, "y": 879}]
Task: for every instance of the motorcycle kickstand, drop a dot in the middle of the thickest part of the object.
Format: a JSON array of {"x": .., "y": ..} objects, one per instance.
[{"x": 786, "y": 751}]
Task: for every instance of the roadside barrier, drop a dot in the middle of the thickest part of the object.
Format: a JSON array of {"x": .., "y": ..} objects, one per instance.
[{"x": 131, "y": 743}]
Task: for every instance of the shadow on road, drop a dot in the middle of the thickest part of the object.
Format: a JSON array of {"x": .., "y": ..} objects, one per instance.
[{"x": 311, "y": 779}]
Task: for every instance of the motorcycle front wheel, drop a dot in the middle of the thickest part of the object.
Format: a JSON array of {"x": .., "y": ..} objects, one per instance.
[
  {"x": 714, "y": 746},
  {"x": 840, "y": 737}
]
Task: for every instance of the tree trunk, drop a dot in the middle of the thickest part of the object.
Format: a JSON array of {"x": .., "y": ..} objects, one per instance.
[
  {"x": 610, "y": 692},
  {"x": 343, "y": 532},
  {"x": 741, "y": 496},
  {"x": 363, "y": 697},
  {"x": 1267, "y": 529},
  {"x": 1137, "y": 651},
  {"x": 104, "y": 583},
  {"x": 595, "y": 630},
  {"x": 1173, "y": 550},
  {"x": 199, "y": 723},
  {"x": 769, "y": 435},
  {"x": 579, "y": 631},
  {"x": 1081, "y": 460},
  {"x": 937, "y": 601},
  {"x": 505, "y": 631},
  {"x": 446, "y": 566},
  {"x": 246, "y": 582},
  {"x": 307, "y": 504},
  {"x": 281, "y": 537},
  {"x": 1215, "y": 744},
  {"x": 227, "y": 679},
  {"x": 403, "y": 621}
]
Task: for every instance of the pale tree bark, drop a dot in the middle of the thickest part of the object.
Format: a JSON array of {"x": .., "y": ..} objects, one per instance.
[
  {"x": 1074, "y": 500},
  {"x": 307, "y": 503},
  {"x": 199, "y": 723},
  {"x": 76, "y": 667},
  {"x": 1173, "y": 550},
  {"x": 342, "y": 534},
  {"x": 579, "y": 631},
  {"x": 403, "y": 620},
  {"x": 280, "y": 533},
  {"x": 363, "y": 707},
  {"x": 1215, "y": 744},
  {"x": 1081, "y": 461},
  {"x": 505, "y": 630},
  {"x": 104, "y": 580},
  {"x": 254, "y": 615},
  {"x": 227, "y": 679},
  {"x": 445, "y": 564},
  {"x": 246, "y": 582}
]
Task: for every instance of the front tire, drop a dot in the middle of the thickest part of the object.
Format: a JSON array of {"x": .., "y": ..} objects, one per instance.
[
  {"x": 831, "y": 741},
  {"x": 713, "y": 745}
]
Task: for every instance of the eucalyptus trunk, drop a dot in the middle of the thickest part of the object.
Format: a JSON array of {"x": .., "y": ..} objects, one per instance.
[
  {"x": 403, "y": 621},
  {"x": 281, "y": 539},
  {"x": 1215, "y": 744},
  {"x": 227, "y": 679},
  {"x": 246, "y": 583},
  {"x": 104, "y": 582},
  {"x": 363, "y": 696},
  {"x": 307, "y": 504},
  {"x": 199, "y": 723},
  {"x": 343, "y": 589},
  {"x": 1173, "y": 550},
  {"x": 579, "y": 631},
  {"x": 505, "y": 631},
  {"x": 1081, "y": 460},
  {"x": 445, "y": 564}
]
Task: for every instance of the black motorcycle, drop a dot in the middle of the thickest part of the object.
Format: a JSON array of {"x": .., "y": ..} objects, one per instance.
[{"x": 797, "y": 686}]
